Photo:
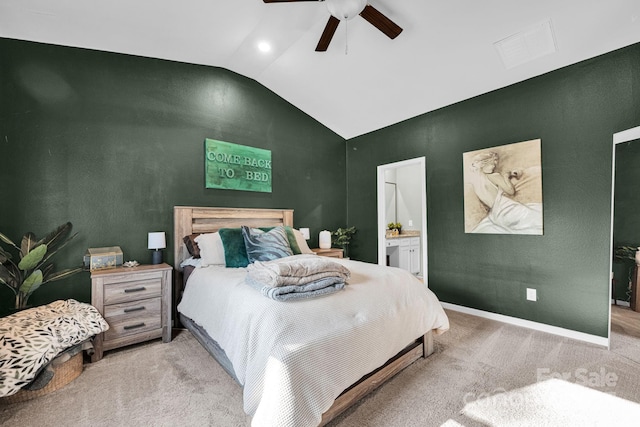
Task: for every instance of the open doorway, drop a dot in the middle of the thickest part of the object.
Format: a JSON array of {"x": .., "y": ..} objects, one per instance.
[
  {"x": 614, "y": 293},
  {"x": 402, "y": 198}
]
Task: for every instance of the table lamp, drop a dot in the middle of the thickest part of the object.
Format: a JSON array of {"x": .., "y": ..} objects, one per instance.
[
  {"x": 325, "y": 239},
  {"x": 157, "y": 242}
]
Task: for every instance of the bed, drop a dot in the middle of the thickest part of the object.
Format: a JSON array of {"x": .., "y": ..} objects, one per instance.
[{"x": 303, "y": 362}]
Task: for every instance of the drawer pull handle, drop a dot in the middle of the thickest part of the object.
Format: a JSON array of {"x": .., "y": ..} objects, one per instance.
[
  {"x": 129, "y": 310},
  {"x": 138, "y": 289},
  {"x": 137, "y": 325}
]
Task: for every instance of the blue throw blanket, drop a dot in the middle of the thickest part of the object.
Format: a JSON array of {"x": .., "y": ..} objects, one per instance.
[
  {"x": 312, "y": 289},
  {"x": 297, "y": 277}
]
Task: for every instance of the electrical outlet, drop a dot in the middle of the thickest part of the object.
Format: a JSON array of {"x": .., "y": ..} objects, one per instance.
[
  {"x": 410, "y": 223},
  {"x": 532, "y": 295}
]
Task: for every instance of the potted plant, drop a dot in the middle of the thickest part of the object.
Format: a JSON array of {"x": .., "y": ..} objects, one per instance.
[
  {"x": 395, "y": 228},
  {"x": 342, "y": 237},
  {"x": 32, "y": 267}
]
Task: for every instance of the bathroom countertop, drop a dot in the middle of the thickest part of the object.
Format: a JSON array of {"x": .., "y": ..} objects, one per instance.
[{"x": 405, "y": 233}]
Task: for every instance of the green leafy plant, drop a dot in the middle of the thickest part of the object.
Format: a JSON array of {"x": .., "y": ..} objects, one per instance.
[
  {"x": 33, "y": 269},
  {"x": 394, "y": 226},
  {"x": 342, "y": 236}
]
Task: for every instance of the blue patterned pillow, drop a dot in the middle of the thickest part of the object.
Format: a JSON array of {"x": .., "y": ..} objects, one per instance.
[{"x": 266, "y": 246}]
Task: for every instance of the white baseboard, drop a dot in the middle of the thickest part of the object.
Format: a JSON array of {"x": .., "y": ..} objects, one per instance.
[
  {"x": 623, "y": 303},
  {"x": 555, "y": 330}
]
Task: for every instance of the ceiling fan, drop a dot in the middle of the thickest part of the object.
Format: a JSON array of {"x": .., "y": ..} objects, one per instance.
[{"x": 344, "y": 10}]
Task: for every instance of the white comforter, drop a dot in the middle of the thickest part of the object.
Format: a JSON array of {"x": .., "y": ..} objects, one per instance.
[{"x": 294, "y": 358}]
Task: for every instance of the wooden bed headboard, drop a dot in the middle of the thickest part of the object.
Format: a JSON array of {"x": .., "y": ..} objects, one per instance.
[{"x": 196, "y": 220}]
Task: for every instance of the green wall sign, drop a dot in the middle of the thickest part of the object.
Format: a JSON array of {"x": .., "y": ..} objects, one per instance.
[{"x": 236, "y": 167}]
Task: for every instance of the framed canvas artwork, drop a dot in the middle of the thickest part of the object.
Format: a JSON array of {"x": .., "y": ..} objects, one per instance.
[{"x": 503, "y": 189}]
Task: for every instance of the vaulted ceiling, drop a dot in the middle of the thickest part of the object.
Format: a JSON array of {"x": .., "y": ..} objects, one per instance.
[{"x": 365, "y": 80}]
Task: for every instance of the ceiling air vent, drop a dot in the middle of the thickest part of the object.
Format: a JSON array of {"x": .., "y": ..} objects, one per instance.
[{"x": 532, "y": 43}]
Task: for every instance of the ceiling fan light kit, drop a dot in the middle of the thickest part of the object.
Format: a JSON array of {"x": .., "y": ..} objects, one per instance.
[{"x": 344, "y": 10}]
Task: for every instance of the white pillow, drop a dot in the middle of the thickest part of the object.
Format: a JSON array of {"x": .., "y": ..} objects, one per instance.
[
  {"x": 211, "y": 249},
  {"x": 194, "y": 262},
  {"x": 302, "y": 243}
]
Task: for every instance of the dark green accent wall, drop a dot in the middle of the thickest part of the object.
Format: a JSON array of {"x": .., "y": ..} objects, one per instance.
[
  {"x": 626, "y": 215},
  {"x": 574, "y": 111},
  {"x": 112, "y": 142}
]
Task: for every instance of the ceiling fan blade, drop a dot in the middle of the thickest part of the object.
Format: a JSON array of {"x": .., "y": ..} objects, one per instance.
[
  {"x": 327, "y": 34},
  {"x": 381, "y": 22}
]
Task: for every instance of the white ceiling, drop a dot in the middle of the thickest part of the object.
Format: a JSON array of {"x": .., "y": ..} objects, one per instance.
[{"x": 444, "y": 55}]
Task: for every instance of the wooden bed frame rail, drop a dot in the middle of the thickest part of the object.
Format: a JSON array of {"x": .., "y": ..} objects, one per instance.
[{"x": 422, "y": 347}]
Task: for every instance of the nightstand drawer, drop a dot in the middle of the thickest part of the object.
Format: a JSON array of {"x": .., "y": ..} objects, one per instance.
[
  {"x": 132, "y": 326},
  {"x": 126, "y": 310},
  {"x": 132, "y": 291}
]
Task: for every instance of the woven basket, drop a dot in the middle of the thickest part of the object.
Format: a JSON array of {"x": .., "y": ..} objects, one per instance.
[{"x": 63, "y": 374}]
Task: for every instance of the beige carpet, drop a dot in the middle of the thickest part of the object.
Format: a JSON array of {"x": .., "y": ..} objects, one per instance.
[
  {"x": 484, "y": 373},
  {"x": 546, "y": 403}
]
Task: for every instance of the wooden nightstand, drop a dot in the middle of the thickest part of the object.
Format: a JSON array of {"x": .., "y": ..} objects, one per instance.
[
  {"x": 135, "y": 302},
  {"x": 332, "y": 252}
]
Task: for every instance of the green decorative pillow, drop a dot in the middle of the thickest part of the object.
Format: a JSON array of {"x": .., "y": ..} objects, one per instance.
[
  {"x": 235, "y": 253},
  {"x": 293, "y": 242}
]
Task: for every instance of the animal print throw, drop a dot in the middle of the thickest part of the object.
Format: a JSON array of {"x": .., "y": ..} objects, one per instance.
[{"x": 32, "y": 338}]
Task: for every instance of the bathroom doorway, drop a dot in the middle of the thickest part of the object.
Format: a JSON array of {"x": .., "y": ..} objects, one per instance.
[
  {"x": 624, "y": 313},
  {"x": 402, "y": 198}
]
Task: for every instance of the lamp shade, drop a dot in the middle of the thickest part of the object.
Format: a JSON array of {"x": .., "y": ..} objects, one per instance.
[
  {"x": 157, "y": 240},
  {"x": 325, "y": 239},
  {"x": 345, "y": 9}
]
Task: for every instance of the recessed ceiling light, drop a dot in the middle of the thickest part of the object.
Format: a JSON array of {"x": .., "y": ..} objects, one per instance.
[
  {"x": 264, "y": 47},
  {"x": 527, "y": 45}
]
